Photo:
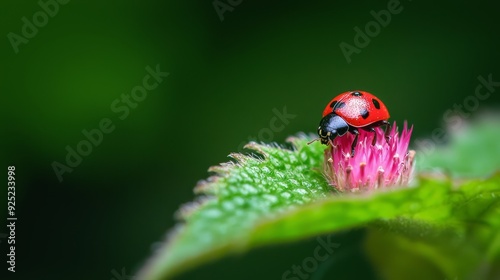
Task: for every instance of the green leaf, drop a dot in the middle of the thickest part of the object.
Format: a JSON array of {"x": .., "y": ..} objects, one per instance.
[
  {"x": 461, "y": 238},
  {"x": 280, "y": 195},
  {"x": 238, "y": 197},
  {"x": 472, "y": 151}
]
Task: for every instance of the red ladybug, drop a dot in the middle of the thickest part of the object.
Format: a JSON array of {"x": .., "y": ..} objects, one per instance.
[{"x": 348, "y": 112}]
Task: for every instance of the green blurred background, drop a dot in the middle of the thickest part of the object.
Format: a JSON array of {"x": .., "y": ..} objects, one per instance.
[{"x": 226, "y": 77}]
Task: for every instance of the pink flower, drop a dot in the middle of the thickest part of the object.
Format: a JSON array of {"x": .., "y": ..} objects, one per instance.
[{"x": 381, "y": 165}]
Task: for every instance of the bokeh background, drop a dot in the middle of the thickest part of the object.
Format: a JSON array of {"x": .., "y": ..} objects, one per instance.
[{"x": 226, "y": 78}]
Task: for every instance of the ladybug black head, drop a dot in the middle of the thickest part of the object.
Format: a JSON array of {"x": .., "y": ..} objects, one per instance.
[{"x": 331, "y": 126}]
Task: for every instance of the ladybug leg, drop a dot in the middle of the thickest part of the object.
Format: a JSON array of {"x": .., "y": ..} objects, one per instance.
[
  {"x": 372, "y": 129},
  {"x": 388, "y": 129},
  {"x": 355, "y": 141},
  {"x": 374, "y": 141}
]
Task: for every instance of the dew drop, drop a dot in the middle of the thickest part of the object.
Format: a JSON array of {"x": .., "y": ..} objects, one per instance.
[
  {"x": 286, "y": 195},
  {"x": 300, "y": 191}
]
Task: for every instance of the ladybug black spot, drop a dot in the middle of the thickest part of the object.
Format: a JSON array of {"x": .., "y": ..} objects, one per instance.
[
  {"x": 356, "y": 93},
  {"x": 376, "y": 103},
  {"x": 365, "y": 114},
  {"x": 337, "y": 105}
]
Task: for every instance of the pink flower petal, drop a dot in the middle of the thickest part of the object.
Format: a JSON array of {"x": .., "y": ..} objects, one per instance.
[{"x": 385, "y": 164}]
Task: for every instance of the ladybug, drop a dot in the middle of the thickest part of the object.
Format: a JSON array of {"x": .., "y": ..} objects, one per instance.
[{"x": 350, "y": 111}]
